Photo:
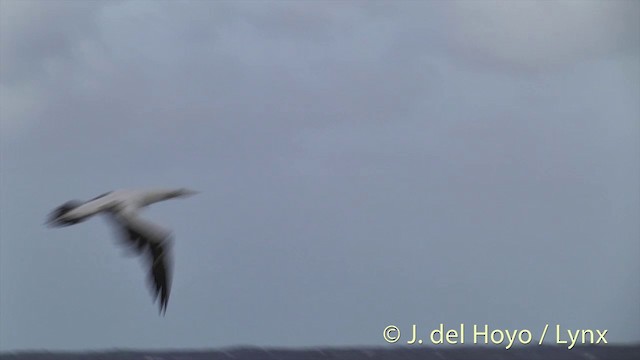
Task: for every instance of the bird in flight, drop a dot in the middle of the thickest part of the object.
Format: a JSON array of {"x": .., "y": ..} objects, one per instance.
[{"x": 140, "y": 235}]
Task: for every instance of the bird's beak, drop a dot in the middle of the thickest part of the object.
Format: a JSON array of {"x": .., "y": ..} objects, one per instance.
[{"x": 189, "y": 192}]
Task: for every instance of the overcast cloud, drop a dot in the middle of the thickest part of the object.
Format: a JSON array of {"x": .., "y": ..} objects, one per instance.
[{"x": 361, "y": 164}]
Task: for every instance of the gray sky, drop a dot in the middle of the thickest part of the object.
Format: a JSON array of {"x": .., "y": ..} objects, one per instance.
[{"x": 361, "y": 164}]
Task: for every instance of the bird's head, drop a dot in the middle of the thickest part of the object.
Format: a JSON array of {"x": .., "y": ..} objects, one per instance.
[
  {"x": 183, "y": 192},
  {"x": 57, "y": 216}
]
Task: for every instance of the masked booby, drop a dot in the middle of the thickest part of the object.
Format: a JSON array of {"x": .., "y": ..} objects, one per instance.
[{"x": 140, "y": 235}]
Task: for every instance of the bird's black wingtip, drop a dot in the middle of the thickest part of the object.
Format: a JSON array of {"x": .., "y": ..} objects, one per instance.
[{"x": 163, "y": 307}]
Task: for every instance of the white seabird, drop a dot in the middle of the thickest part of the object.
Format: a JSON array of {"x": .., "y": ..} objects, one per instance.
[{"x": 142, "y": 236}]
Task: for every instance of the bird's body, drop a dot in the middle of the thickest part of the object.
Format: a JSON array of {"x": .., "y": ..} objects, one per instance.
[{"x": 142, "y": 236}]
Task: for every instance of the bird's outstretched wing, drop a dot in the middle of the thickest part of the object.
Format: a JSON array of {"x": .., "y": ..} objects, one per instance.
[{"x": 154, "y": 242}]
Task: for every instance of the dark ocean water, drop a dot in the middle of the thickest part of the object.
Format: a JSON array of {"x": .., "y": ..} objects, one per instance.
[{"x": 606, "y": 352}]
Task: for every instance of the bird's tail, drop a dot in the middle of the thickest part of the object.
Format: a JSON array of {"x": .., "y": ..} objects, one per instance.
[{"x": 56, "y": 219}]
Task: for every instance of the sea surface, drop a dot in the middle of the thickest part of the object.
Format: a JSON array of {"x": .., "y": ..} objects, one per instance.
[{"x": 606, "y": 352}]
